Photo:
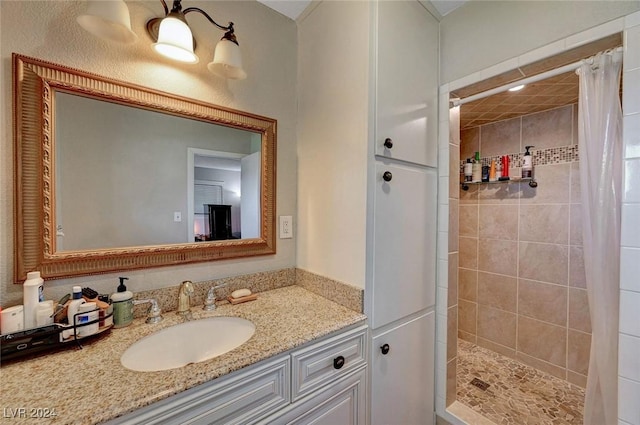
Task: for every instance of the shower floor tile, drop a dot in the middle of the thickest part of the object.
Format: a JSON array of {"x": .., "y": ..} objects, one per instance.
[{"x": 516, "y": 394}]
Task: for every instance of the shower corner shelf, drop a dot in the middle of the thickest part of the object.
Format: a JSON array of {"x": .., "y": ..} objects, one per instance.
[{"x": 532, "y": 182}]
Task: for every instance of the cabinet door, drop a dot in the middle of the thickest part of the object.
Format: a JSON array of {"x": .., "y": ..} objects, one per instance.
[
  {"x": 404, "y": 242},
  {"x": 341, "y": 403},
  {"x": 406, "y": 82},
  {"x": 402, "y": 387}
]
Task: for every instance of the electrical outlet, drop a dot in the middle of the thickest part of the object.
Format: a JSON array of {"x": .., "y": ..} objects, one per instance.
[
  {"x": 286, "y": 227},
  {"x": 177, "y": 216}
]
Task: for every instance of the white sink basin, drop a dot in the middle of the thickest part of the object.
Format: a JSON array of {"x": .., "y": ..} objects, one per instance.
[{"x": 185, "y": 343}]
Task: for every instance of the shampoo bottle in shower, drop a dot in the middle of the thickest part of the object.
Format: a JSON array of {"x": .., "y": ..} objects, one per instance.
[
  {"x": 477, "y": 169},
  {"x": 527, "y": 164}
]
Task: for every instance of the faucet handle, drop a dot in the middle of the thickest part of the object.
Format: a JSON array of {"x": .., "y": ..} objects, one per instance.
[
  {"x": 154, "y": 313},
  {"x": 210, "y": 301}
]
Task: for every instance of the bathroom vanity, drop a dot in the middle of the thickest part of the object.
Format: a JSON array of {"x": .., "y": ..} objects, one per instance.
[{"x": 307, "y": 361}]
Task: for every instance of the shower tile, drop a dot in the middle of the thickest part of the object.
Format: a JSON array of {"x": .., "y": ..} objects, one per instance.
[
  {"x": 629, "y": 394},
  {"x": 579, "y": 317},
  {"x": 548, "y": 129},
  {"x": 553, "y": 185},
  {"x": 577, "y": 277},
  {"x": 550, "y": 348},
  {"x": 574, "y": 182},
  {"x": 544, "y": 223},
  {"x": 452, "y": 332},
  {"x": 579, "y": 344},
  {"x": 468, "y": 253},
  {"x": 454, "y": 212},
  {"x": 628, "y": 359},
  {"x": 500, "y": 138},
  {"x": 558, "y": 372},
  {"x": 498, "y": 222},
  {"x": 629, "y": 312},
  {"x": 467, "y": 284},
  {"x": 631, "y": 132},
  {"x": 467, "y": 312},
  {"x": 497, "y": 291},
  {"x": 631, "y": 180},
  {"x": 630, "y": 269},
  {"x": 469, "y": 220},
  {"x": 468, "y": 196},
  {"x": 517, "y": 394},
  {"x": 466, "y": 336},
  {"x": 575, "y": 224},
  {"x": 577, "y": 379},
  {"x": 451, "y": 381},
  {"x": 454, "y": 171},
  {"x": 543, "y": 301},
  {"x": 505, "y": 193},
  {"x": 500, "y": 349},
  {"x": 630, "y": 225},
  {"x": 452, "y": 283},
  {"x": 497, "y": 256},
  {"x": 543, "y": 262},
  {"x": 497, "y": 326},
  {"x": 631, "y": 97},
  {"x": 469, "y": 143}
]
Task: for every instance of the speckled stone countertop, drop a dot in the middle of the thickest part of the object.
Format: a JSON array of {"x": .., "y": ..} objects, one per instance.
[{"x": 90, "y": 386}]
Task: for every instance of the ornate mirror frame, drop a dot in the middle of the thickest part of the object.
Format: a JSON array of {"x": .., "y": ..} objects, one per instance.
[{"x": 34, "y": 86}]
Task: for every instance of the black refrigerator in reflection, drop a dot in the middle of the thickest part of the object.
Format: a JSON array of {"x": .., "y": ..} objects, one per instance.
[{"x": 219, "y": 222}]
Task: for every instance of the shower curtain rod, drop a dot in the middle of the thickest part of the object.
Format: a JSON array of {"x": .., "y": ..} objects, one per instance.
[{"x": 528, "y": 80}]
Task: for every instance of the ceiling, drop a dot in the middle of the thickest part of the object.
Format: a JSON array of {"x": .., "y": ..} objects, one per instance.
[
  {"x": 547, "y": 94},
  {"x": 294, "y": 8}
]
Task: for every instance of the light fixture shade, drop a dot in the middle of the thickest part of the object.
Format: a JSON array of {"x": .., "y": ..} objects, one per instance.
[
  {"x": 227, "y": 61},
  {"x": 109, "y": 20},
  {"x": 175, "y": 40}
]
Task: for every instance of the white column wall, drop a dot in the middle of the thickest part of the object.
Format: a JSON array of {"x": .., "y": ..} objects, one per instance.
[{"x": 629, "y": 342}]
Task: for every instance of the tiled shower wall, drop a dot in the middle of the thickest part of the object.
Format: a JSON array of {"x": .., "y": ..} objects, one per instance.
[{"x": 521, "y": 278}]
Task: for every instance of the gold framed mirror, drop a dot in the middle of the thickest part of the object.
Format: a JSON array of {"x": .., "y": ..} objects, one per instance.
[{"x": 82, "y": 207}]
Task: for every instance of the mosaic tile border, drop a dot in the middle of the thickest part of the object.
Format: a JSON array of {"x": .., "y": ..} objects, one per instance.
[
  {"x": 557, "y": 155},
  {"x": 517, "y": 394}
]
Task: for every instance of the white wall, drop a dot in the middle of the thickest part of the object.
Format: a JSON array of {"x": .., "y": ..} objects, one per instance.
[
  {"x": 332, "y": 140},
  {"x": 483, "y": 39},
  {"x": 483, "y": 33},
  {"x": 48, "y": 30},
  {"x": 629, "y": 338}
]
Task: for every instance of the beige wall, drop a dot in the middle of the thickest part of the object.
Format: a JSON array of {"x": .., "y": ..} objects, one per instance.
[
  {"x": 521, "y": 273},
  {"x": 483, "y": 33},
  {"x": 332, "y": 141},
  {"x": 47, "y": 30}
]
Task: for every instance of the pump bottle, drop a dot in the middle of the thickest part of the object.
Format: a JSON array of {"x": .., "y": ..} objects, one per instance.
[
  {"x": 122, "y": 305},
  {"x": 527, "y": 164}
]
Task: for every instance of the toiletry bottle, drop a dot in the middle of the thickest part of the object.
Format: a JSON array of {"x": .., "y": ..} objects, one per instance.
[
  {"x": 485, "y": 173},
  {"x": 492, "y": 171},
  {"x": 122, "y": 305},
  {"x": 505, "y": 168},
  {"x": 89, "y": 313},
  {"x": 527, "y": 164},
  {"x": 468, "y": 171},
  {"x": 32, "y": 295},
  {"x": 72, "y": 309},
  {"x": 477, "y": 169}
]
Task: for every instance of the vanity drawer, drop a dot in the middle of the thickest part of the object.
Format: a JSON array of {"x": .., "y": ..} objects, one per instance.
[{"x": 319, "y": 364}]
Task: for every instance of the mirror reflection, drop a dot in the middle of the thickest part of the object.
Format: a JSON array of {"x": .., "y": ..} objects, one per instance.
[{"x": 127, "y": 176}]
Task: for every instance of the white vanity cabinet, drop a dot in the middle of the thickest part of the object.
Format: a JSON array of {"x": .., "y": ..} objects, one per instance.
[{"x": 329, "y": 381}]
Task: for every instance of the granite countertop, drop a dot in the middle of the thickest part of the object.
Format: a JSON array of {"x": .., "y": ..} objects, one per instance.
[{"x": 89, "y": 386}]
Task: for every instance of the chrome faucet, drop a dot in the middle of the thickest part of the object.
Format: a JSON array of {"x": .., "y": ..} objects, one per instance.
[
  {"x": 184, "y": 299},
  {"x": 153, "y": 314},
  {"x": 210, "y": 301}
]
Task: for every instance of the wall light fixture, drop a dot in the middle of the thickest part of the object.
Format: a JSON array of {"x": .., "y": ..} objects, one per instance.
[{"x": 172, "y": 36}]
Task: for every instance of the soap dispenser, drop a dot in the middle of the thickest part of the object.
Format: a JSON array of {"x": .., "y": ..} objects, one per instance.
[
  {"x": 527, "y": 164},
  {"x": 122, "y": 305}
]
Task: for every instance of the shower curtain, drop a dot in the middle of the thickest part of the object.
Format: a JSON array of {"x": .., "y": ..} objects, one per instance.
[{"x": 600, "y": 147}]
